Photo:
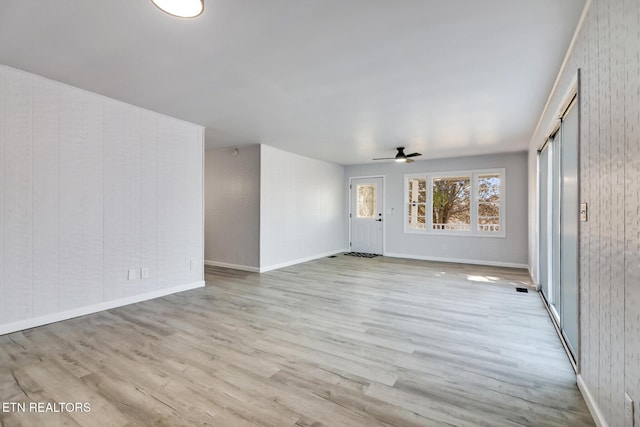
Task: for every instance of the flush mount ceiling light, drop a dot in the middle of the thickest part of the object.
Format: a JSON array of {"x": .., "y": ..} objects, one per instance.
[{"x": 181, "y": 8}]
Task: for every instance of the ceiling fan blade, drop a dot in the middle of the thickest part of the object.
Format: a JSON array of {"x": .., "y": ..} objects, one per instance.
[
  {"x": 385, "y": 158},
  {"x": 414, "y": 155}
]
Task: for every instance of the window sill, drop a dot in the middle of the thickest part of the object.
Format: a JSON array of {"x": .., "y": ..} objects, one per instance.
[{"x": 456, "y": 234}]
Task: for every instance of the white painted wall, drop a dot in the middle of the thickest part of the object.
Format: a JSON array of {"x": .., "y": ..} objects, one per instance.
[
  {"x": 232, "y": 213},
  {"x": 606, "y": 51},
  {"x": 89, "y": 188},
  {"x": 302, "y": 208},
  {"x": 510, "y": 250}
]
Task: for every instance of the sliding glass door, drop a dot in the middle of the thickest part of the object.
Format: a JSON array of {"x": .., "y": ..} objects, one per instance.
[
  {"x": 544, "y": 168},
  {"x": 569, "y": 212},
  {"x": 558, "y": 225}
]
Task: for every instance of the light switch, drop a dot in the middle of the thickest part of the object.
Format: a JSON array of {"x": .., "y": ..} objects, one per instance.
[
  {"x": 144, "y": 273},
  {"x": 194, "y": 265},
  {"x": 133, "y": 274},
  {"x": 583, "y": 212}
]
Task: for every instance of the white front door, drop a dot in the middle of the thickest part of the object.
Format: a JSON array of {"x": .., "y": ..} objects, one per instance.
[{"x": 366, "y": 215}]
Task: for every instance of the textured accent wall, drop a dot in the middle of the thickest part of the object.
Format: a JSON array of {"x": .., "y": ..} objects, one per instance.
[
  {"x": 607, "y": 51},
  {"x": 232, "y": 213},
  {"x": 90, "y": 188}
]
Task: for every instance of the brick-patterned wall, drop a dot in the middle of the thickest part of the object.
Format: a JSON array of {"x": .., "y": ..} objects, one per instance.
[
  {"x": 89, "y": 188},
  {"x": 607, "y": 51}
]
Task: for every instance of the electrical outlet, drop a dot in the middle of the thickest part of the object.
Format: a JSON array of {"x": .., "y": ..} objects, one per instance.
[
  {"x": 144, "y": 273},
  {"x": 628, "y": 410},
  {"x": 132, "y": 274}
]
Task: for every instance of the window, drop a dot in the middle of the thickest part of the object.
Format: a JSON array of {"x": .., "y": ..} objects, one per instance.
[
  {"x": 366, "y": 200},
  {"x": 489, "y": 202},
  {"x": 458, "y": 203},
  {"x": 417, "y": 203},
  {"x": 451, "y": 203}
]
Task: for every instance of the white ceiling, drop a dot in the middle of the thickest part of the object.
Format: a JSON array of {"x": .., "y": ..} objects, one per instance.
[{"x": 338, "y": 80}]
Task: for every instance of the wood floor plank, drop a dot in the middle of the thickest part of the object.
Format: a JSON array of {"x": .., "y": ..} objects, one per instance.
[{"x": 339, "y": 341}]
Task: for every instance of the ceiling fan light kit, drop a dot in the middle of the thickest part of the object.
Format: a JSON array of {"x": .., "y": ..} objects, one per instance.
[
  {"x": 181, "y": 8},
  {"x": 401, "y": 157}
]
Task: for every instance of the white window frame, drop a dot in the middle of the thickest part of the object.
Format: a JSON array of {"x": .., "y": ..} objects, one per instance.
[
  {"x": 406, "y": 203},
  {"x": 473, "y": 231}
]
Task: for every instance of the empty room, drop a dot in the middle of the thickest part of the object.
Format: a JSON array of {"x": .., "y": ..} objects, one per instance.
[{"x": 320, "y": 213}]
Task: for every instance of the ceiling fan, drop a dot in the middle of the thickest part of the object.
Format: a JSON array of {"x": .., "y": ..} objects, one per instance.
[{"x": 401, "y": 157}]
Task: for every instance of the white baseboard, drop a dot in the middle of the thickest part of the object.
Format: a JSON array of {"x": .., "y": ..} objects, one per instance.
[
  {"x": 533, "y": 279},
  {"x": 591, "y": 403},
  {"x": 94, "y": 308},
  {"x": 300, "y": 260},
  {"x": 233, "y": 266},
  {"x": 458, "y": 260}
]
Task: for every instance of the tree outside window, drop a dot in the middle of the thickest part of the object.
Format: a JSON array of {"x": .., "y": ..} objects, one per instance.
[
  {"x": 489, "y": 202},
  {"x": 470, "y": 202},
  {"x": 451, "y": 203}
]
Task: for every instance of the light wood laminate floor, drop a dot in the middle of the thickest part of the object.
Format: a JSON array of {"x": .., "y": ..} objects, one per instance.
[{"x": 338, "y": 342}]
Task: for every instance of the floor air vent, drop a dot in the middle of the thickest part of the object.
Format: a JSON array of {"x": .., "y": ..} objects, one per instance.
[
  {"x": 361, "y": 254},
  {"x": 525, "y": 290}
]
